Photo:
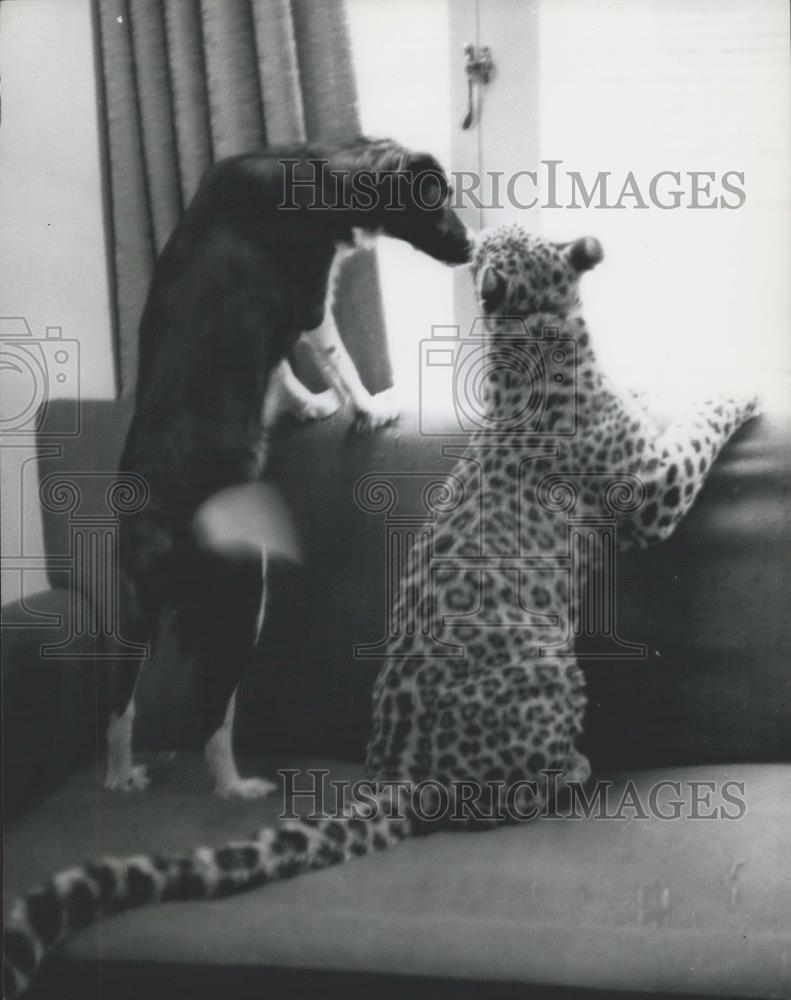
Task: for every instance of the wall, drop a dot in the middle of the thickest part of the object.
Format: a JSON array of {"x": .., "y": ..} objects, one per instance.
[{"x": 53, "y": 269}]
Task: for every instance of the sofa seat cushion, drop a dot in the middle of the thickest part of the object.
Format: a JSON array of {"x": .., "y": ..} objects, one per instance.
[
  {"x": 51, "y": 716},
  {"x": 692, "y": 906}
]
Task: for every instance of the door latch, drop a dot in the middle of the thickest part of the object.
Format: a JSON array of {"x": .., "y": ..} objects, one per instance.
[{"x": 479, "y": 68}]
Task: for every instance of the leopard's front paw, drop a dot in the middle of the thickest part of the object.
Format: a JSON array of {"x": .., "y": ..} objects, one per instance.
[
  {"x": 578, "y": 769},
  {"x": 752, "y": 409},
  {"x": 378, "y": 411}
]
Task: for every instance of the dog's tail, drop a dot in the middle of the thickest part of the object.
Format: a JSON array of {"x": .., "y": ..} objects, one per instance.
[
  {"x": 78, "y": 897},
  {"x": 244, "y": 519}
]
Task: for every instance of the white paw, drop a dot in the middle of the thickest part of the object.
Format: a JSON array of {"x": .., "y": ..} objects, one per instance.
[
  {"x": 753, "y": 408},
  {"x": 379, "y": 410},
  {"x": 320, "y": 406},
  {"x": 246, "y": 788},
  {"x": 133, "y": 779},
  {"x": 578, "y": 769}
]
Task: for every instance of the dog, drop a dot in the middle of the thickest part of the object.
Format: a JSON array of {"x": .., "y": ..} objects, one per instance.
[{"x": 248, "y": 270}]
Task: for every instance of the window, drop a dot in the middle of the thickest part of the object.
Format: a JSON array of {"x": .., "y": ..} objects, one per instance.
[
  {"x": 688, "y": 298},
  {"x": 685, "y": 294}
]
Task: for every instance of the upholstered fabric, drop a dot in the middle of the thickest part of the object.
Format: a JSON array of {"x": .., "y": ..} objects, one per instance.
[
  {"x": 677, "y": 906},
  {"x": 683, "y": 906},
  {"x": 186, "y": 82},
  {"x": 51, "y": 721},
  {"x": 710, "y": 606}
]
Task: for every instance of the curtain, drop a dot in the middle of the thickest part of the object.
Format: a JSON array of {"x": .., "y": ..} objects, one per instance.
[{"x": 186, "y": 82}]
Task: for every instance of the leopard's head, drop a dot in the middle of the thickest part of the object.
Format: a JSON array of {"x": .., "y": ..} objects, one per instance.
[
  {"x": 521, "y": 275},
  {"x": 528, "y": 294}
]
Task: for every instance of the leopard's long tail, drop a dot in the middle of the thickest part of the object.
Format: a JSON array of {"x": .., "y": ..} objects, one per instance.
[{"x": 78, "y": 897}]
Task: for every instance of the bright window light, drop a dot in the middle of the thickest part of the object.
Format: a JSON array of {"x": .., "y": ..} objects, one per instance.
[
  {"x": 402, "y": 59},
  {"x": 687, "y": 297},
  {"x": 688, "y": 300}
]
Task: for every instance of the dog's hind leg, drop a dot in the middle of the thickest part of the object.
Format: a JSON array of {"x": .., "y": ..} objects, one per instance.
[
  {"x": 228, "y": 783},
  {"x": 145, "y": 544},
  {"x": 223, "y": 639},
  {"x": 122, "y": 774}
]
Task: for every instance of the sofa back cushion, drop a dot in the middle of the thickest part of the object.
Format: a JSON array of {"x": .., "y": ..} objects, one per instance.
[{"x": 710, "y": 605}]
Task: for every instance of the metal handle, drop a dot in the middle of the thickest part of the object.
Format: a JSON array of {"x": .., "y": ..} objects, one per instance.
[{"x": 479, "y": 68}]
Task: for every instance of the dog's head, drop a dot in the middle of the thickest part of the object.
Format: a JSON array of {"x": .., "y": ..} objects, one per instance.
[{"x": 405, "y": 195}]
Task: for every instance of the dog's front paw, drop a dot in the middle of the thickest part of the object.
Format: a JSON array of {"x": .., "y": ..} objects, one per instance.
[
  {"x": 319, "y": 407},
  {"x": 133, "y": 779},
  {"x": 246, "y": 788},
  {"x": 379, "y": 410}
]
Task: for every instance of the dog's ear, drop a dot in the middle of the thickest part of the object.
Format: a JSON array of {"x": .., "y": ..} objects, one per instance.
[
  {"x": 491, "y": 288},
  {"x": 419, "y": 163},
  {"x": 429, "y": 185},
  {"x": 584, "y": 253}
]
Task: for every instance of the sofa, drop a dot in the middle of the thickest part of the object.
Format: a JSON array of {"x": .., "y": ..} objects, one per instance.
[{"x": 631, "y": 904}]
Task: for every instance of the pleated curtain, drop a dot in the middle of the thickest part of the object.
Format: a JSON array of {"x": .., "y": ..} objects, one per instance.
[{"x": 186, "y": 82}]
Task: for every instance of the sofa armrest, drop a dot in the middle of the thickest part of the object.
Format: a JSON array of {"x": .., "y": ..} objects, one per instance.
[{"x": 49, "y": 702}]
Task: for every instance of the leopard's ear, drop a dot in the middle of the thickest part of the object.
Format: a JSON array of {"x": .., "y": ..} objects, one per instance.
[
  {"x": 585, "y": 253},
  {"x": 491, "y": 288}
]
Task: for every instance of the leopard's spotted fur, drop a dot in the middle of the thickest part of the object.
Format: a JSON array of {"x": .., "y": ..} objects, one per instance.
[{"x": 509, "y": 706}]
